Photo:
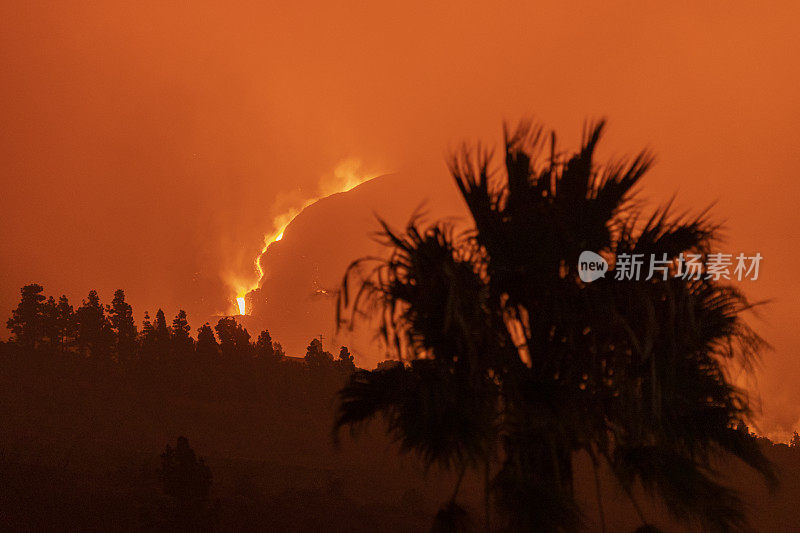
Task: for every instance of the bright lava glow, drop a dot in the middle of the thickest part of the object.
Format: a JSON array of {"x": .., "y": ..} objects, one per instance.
[{"x": 347, "y": 175}]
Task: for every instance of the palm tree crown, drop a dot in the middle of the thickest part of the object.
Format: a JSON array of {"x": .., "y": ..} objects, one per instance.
[{"x": 511, "y": 359}]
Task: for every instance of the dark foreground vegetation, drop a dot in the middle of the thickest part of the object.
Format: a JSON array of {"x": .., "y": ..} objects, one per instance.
[
  {"x": 82, "y": 447},
  {"x": 535, "y": 401},
  {"x": 89, "y": 403},
  {"x": 517, "y": 365}
]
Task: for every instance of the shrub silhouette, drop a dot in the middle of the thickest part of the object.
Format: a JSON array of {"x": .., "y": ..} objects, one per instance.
[{"x": 187, "y": 481}]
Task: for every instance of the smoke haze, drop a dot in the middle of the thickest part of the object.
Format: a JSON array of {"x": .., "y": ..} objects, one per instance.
[{"x": 150, "y": 148}]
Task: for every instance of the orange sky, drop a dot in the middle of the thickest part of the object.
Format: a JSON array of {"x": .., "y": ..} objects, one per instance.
[{"x": 149, "y": 148}]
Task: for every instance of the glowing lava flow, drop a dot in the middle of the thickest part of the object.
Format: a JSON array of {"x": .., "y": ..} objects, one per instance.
[{"x": 346, "y": 177}]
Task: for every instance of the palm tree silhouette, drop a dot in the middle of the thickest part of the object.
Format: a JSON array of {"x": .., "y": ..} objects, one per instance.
[{"x": 511, "y": 360}]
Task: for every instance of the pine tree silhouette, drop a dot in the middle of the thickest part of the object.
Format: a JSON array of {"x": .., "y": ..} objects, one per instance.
[
  {"x": 265, "y": 348},
  {"x": 27, "y": 320},
  {"x": 94, "y": 334},
  {"x": 120, "y": 316},
  {"x": 182, "y": 342},
  {"x": 161, "y": 337},
  {"x": 207, "y": 348}
]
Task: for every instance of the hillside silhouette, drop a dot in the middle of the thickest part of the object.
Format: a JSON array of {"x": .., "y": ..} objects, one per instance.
[
  {"x": 303, "y": 271},
  {"x": 89, "y": 400},
  {"x": 84, "y": 440}
]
